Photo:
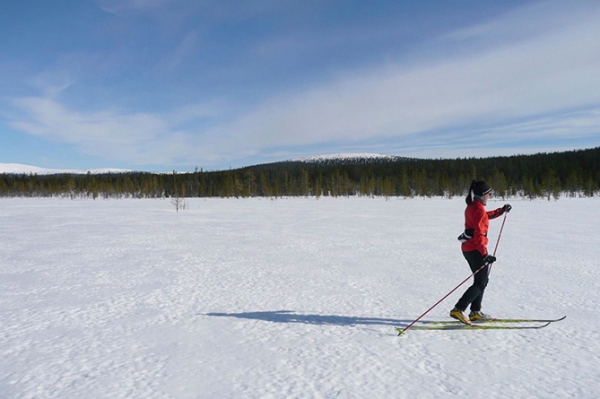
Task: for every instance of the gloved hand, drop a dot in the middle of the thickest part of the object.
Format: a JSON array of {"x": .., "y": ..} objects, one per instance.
[
  {"x": 489, "y": 259},
  {"x": 506, "y": 208}
]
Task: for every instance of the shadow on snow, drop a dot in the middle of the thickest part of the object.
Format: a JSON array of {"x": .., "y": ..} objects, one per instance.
[{"x": 289, "y": 316}]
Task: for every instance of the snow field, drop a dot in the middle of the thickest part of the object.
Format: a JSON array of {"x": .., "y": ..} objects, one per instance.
[{"x": 289, "y": 298}]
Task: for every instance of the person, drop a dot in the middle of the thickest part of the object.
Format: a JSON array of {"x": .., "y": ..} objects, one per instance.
[{"x": 474, "y": 248}]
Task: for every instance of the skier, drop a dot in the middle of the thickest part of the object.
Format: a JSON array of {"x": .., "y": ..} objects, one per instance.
[{"x": 474, "y": 241}]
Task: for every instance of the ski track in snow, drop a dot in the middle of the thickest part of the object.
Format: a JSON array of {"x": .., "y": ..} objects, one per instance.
[{"x": 289, "y": 298}]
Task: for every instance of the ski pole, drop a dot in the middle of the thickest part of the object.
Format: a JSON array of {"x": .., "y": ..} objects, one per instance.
[
  {"x": 441, "y": 300},
  {"x": 498, "y": 241},
  {"x": 458, "y": 286}
]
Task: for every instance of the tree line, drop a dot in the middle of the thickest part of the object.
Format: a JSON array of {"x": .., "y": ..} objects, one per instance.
[{"x": 548, "y": 175}]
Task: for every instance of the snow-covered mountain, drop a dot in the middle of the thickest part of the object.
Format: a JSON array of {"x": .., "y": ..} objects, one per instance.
[
  {"x": 15, "y": 168},
  {"x": 352, "y": 158}
]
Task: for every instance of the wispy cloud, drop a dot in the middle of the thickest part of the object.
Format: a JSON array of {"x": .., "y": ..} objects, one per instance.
[
  {"x": 185, "y": 48},
  {"x": 539, "y": 134},
  {"x": 123, "y": 6},
  {"x": 139, "y": 138}
]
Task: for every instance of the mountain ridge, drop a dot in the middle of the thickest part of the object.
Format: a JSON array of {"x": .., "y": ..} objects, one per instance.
[
  {"x": 350, "y": 158},
  {"x": 328, "y": 159},
  {"x": 22, "y": 169}
]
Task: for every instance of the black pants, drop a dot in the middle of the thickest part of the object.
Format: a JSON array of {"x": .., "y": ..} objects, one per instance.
[{"x": 474, "y": 294}]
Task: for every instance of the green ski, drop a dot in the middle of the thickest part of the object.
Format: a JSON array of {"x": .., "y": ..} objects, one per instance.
[
  {"x": 472, "y": 327},
  {"x": 498, "y": 321}
]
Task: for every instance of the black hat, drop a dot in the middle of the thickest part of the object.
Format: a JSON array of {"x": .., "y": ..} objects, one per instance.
[{"x": 480, "y": 188}]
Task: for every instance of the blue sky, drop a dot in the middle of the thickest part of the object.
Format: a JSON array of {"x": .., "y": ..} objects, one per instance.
[{"x": 158, "y": 85}]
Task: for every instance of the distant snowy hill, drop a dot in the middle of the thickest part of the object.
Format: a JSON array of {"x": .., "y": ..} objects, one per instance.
[
  {"x": 355, "y": 158},
  {"x": 15, "y": 168}
]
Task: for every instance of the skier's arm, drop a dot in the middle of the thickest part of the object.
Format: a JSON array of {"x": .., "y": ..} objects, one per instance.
[
  {"x": 480, "y": 233},
  {"x": 499, "y": 212}
]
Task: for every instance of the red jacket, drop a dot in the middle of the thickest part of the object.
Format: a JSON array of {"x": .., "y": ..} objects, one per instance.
[{"x": 477, "y": 219}]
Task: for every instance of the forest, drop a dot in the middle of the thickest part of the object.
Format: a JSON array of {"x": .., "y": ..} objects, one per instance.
[{"x": 544, "y": 175}]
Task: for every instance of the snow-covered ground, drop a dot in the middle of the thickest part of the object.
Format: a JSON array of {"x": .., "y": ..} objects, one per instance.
[{"x": 290, "y": 298}]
